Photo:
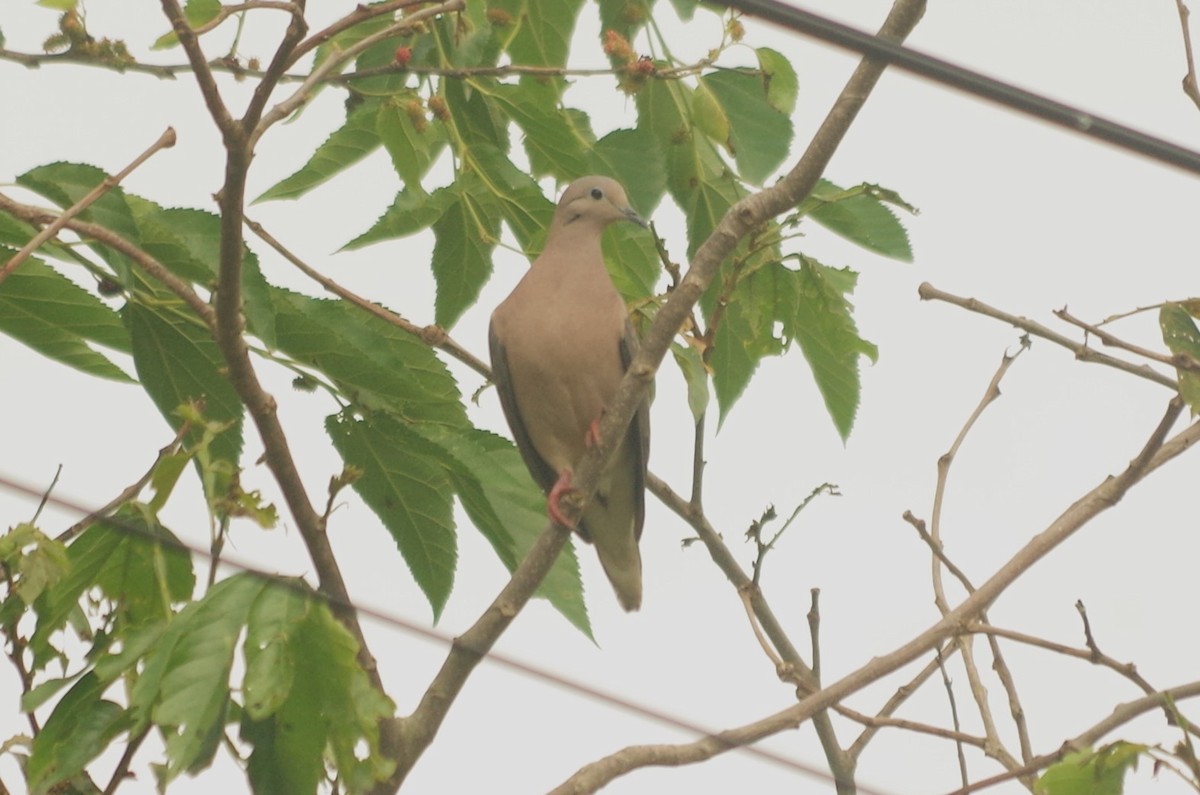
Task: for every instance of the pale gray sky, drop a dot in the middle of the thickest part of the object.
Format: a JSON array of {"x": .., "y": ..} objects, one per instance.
[{"x": 1014, "y": 212}]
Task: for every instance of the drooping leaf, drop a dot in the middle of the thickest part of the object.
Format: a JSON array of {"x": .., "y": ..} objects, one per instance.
[
  {"x": 197, "y": 13},
  {"x": 412, "y": 146},
  {"x": 404, "y": 483},
  {"x": 632, "y": 261},
  {"x": 1099, "y": 772},
  {"x": 759, "y": 134},
  {"x": 630, "y": 157},
  {"x": 465, "y": 235},
  {"x": 412, "y": 211},
  {"x": 178, "y": 362},
  {"x": 695, "y": 374},
  {"x": 518, "y": 509},
  {"x": 518, "y": 197},
  {"x": 79, "y": 729},
  {"x": 67, "y": 183},
  {"x": 859, "y": 215},
  {"x": 555, "y": 145},
  {"x": 536, "y": 32},
  {"x": 373, "y": 361},
  {"x": 780, "y": 80},
  {"x": 350, "y": 143},
  {"x": 824, "y": 327},
  {"x": 56, "y": 317},
  {"x": 1183, "y": 338},
  {"x": 184, "y": 688}
]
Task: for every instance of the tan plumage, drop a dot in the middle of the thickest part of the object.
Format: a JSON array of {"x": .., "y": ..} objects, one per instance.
[{"x": 560, "y": 344}]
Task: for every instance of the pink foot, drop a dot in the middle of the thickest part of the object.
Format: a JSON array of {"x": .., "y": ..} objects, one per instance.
[{"x": 561, "y": 486}]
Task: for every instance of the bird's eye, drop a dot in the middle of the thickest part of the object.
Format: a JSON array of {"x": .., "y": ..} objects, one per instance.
[{"x": 597, "y": 194}]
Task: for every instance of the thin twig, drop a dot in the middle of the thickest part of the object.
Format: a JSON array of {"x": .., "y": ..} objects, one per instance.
[
  {"x": 1189, "y": 80},
  {"x": 165, "y": 141},
  {"x": 962, "y": 757},
  {"x": 1082, "y": 352},
  {"x": 434, "y": 336},
  {"x": 1181, "y": 361},
  {"x": 121, "y": 772},
  {"x": 46, "y": 495},
  {"x": 102, "y": 234}
]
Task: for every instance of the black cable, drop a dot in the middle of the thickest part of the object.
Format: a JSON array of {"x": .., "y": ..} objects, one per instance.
[{"x": 968, "y": 81}]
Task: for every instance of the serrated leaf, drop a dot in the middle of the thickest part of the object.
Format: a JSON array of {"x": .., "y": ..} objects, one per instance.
[
  {"x": 274, "y": 621},
  {"x": 539, "y": 31},
  {"x": 465, "y": 235},
  {"x": 373, "y": 361},
  {"x": 780, "y": 79},
  {"x": 197, "y": 13},
  {"x": 67, "y": 183},
  {"x": 178, "y": 362},
  {"x": 412, "y": 150},
  {"x": 709, "y": 115},
  {"x": 56, "y": 317},
  {"x": 555, "y": 145},
  {"x": 404, "y": 484},
  {"x": 1100, "y": 772},
  {"x": 412, "y": 211},
  {"x": 184, "y": 687},
  {"x": 859, "y": 215},
  {"x": 520, "y": 201},
  {"x": 77, "y": 731},
  {"x": 475, "y": 116},
  {"x": 1182, "y": 337},
  {"x": 350, "y": 143},
  {"x": 738, "y": 346},
  {"x": 632, "y": 261},
  {"x": 631, "y": 157},
  {"x": 824, "y": 327},
  {"x": 519, "y": 509},
  {"x": 759, "y": 135},
  {"x": 695, "y": 375}
]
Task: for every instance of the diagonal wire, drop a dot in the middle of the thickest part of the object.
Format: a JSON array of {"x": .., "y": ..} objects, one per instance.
[
  {"x": 969, "y": 81},
  {"x": 428, "y": 633}
]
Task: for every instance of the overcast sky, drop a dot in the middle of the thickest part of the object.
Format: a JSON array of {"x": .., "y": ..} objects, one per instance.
[{"x": 1021, "y": 215}]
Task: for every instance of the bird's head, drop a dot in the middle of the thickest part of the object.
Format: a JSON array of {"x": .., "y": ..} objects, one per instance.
[{"x": 595, "y": 201}]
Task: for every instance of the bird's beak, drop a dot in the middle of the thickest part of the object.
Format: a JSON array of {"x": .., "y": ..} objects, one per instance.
[{"x": 632, "y": 215}]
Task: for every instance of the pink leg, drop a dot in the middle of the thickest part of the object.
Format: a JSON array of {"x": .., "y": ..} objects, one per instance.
[
  {"x": 561, "y": 486},
  {"x": 592, "y": 437}
]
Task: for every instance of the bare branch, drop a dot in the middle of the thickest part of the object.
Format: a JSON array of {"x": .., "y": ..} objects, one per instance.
[
  {"x": 165, "y": 141},
  {"x": 1181, "y": 361},
  {"x": 1082, "y": 352},
  {"x": 1189, "y": 80}
]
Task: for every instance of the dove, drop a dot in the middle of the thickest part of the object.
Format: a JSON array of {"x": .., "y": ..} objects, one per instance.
[{"x": 560, "y": 344}]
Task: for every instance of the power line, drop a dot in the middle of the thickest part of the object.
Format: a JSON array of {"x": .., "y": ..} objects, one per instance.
[
  {"x": 969, "y": 81},
  {"x": 428, "y": 633}
]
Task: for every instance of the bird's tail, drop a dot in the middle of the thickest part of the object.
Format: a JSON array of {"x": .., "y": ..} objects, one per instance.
[{"x": 609, "y": 522}]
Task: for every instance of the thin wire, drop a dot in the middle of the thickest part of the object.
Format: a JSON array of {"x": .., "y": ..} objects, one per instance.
[
  {"x": 969, "y": 81},
  {"x": 428, "y": 633}
]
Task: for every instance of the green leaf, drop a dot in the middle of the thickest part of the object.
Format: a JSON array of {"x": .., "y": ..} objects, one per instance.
[
  {"x": 375, "y": 363},
  {"x": 178, "y": 362},
  {"x": 404, "y": 484},
  {"x": 350, "y": 143},
  {"x": 320, "y": 698},
  {"x": 539, "y": 31},
  {"x": 80, "y": 729},
  {"x": 184, "y": 687},
  {"x": 197, "y": 13},
  {"x": 780, "y": 79},
  {"x": 632, "y": 261},
  {"x": 555, "y": 144},
  {"x": 759, "y": 134},
  {"x": 859, "y": 215},
  {"x": 520, "y": 200},
  {"x": 465, "y": 235},
  {"x": 632, "y": 158},
  {"x": 58, "y": 5},
  {"x": 413, "y": 149},
  {"x": 519, "y": 511},
  {"x": 626, "y": 17},
  {"x": 475, "y": 116},
  {"x": 821, "y": 321},
  {"x": 695, "y": 374},
  {"x": 412, "y": 210},
  {"x": 1089, "y": 772},
  {"x": 709, "y": 115},
  {"x": 67, "y": 183},
  {"x": 56, "y": 317},
  {"x": 738, "y": 346},
  {"x": 1182, "y": 337}
]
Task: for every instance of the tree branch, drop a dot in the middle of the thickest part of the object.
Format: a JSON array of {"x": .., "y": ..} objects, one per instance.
[
  {"x": 165, "y": 141},
  {"x": 1082, "y": 352}
]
